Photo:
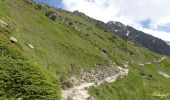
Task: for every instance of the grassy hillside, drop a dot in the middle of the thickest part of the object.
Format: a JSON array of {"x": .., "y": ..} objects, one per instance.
[
  {"x": 62, "y": 48},
  {"x": 21, "y": 78},
  {"x": 59, "y": 46},
  {"x": 142, "y": 83}
]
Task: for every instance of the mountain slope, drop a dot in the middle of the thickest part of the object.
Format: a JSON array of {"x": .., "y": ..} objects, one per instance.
[
  {"x": 152, "y": 43},
  {"x": 58, "y": 46},
  {"x": 64, "y": 45},
  {"x": 21, "y": 78}
]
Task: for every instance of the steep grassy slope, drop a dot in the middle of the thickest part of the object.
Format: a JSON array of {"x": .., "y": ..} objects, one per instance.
[
  {"x": 59, "y": 46},
  {"x": 60, "y": 49},
  {"x": 20, "y": 77}
]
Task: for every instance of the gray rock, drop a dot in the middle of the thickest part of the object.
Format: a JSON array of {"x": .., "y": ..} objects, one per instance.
[
  {"x": 105, "y": 51},
  {"x": 78, "y": 30},
  {"x": 39, "y": 7},
  {"x": 30, "y": 45},
  {"x": 13, "y": 39},
  {"x": 3, "y": 24},
  {"x": 52, "y": 15}
]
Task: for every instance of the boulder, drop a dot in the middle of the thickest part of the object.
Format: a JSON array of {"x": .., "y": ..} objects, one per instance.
[
  {"x": 51, "y": 15},
  {"x": 39, "y": 7},
  {"x": 78, "y": 30},
  {"x": 105, "y": 51},
  {"x": 13, "y": 39},
  {"x": 47, "y": 13}
]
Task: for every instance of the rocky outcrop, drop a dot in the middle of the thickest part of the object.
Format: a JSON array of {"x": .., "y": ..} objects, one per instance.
[
  {"x": 52, "y": 15},
  {"x": 148, "y": 41}
]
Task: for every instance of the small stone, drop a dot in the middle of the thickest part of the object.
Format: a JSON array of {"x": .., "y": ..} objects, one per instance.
[
  {"x": 13, "y": 39},
  {"x": 78, "y": 30},
  {"x": 31, "y": 46},
  {"x": 3, "y": 24},
  {"x": 105, "y": 51}
]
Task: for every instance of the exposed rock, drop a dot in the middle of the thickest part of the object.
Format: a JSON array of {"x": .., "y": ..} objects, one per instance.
[
  {"x": 51, "y": 15},
  {"x": 68, "y": 22},
  {"x": 13, "y": 39},
  {"x": 146, "y": 75},
  {"x": 39, "y": 7},
  {"x": 105, "y": 51},
  {"x": 77, "y": 30},
  {"x": 148, "y": 41},
  {"x": 3, "y": 24},
  {"x": 79, "y": 92},
  {"x": 47, "y": 13},
  {"x": 31, "y": 46},
  {"x": 29, "y": 1},
  {"x": 96, "y": 75}
]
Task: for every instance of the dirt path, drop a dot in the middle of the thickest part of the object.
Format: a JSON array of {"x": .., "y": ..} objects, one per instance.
[
  {"x": 155, "y": 61},
  {"x": 80, "y": 92}
]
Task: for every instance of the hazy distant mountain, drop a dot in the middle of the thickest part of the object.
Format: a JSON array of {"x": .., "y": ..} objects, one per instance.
[{"x": 152, "y": 43}]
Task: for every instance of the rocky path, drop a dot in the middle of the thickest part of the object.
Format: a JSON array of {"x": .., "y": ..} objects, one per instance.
[
  {"x": 155, "y": 61},
  {"x": 80, "y": 92}
]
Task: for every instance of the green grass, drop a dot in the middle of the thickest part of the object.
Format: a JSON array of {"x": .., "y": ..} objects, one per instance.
[
  {"x": 60, "y": 51},
  {"x": 58, "y": 46},
  {"x": 136, "y": 87},
  {"x": 22, "y": 78}
]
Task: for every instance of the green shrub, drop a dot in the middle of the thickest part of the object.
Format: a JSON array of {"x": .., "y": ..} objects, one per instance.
[{"x": 21, "y": 78}]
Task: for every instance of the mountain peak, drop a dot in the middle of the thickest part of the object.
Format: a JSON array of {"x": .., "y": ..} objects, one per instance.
[{"x": 152, "y": 43}]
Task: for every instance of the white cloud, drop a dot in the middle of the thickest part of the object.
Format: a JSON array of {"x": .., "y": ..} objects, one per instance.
[
  {"x": 130, "y": 12},
  {"x": 160, "y": 34}
]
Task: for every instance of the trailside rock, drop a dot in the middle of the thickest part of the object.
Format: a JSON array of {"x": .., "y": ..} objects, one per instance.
[
  {"x": 30, "y": 45},
  {"x": 3, "y": 24},
  {"x": 52, "y": 15},
  {"x": 13, "y": 39}
]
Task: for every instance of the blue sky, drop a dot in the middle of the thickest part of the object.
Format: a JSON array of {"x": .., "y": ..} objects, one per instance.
[
  {"x": 55, "y": 3},
  {"x": 150, "y": 16},
  {"x": 145, "y": 23}
]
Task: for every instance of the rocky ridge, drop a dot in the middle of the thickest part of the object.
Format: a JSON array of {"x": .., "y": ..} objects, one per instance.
[{"x": 148, "y": 41}]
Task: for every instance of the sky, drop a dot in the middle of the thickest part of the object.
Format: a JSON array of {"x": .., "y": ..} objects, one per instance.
[{"x": 150, "y": 16}]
